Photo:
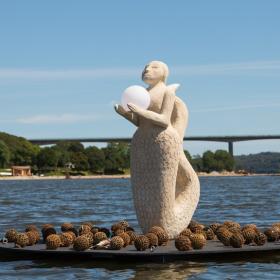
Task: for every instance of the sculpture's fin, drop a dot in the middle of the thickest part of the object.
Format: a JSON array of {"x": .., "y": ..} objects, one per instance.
[{"x": 173, "y": 87}]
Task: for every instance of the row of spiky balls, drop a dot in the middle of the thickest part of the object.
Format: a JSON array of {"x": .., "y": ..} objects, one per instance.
[
  {"x": 88, "y": 236},
  {"x": 230, "y": 233},
  {"x": 195, "y": 236}
]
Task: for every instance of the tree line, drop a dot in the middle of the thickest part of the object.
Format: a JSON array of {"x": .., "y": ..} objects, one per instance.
[
  {"x": 115, "y": 158},
  {"x": 112, "y": 159}
]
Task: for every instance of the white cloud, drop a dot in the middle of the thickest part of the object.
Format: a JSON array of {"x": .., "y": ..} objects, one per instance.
[
  {"x": 271, "y": 67},
  {"x": 235, "y": 108},
  {"x": 56, "y": 119},
  {"x": 254, "y": 67},
  {"x": 61, "y": 74}
]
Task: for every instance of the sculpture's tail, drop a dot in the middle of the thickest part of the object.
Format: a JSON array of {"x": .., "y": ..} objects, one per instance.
[{"x": 187, "y": 192}]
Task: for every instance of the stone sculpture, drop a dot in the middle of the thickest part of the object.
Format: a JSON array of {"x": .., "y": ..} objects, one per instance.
[{"x": 165, "y": 187}]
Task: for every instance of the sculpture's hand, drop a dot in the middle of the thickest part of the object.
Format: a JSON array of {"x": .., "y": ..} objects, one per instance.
[
  {"x": 133, "y": 108},
  {"x": 119, "y": 109}
]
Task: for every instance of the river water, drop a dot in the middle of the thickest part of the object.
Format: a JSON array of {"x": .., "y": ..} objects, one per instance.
[{"x": 105, "y": 201}]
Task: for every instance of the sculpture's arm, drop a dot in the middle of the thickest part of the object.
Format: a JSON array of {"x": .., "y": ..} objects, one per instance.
[
  {"x": 161, "y": 119},
  {"x": 130, "y": 116}
]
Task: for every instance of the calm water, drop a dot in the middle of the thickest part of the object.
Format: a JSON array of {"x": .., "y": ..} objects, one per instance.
[{"x": 244, "y": 199}]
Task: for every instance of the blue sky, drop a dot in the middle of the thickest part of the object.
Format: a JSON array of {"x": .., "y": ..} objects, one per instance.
[{"x": 63, "y": 64}]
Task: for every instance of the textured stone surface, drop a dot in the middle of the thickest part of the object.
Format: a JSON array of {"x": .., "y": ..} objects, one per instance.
[{"x": 165, "y": 187}]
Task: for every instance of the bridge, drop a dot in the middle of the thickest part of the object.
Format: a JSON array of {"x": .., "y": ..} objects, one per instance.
[{"x": 227, "y": 139}]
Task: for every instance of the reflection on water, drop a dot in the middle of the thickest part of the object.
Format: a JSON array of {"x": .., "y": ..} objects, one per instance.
[{"x": 244, "y": 199}]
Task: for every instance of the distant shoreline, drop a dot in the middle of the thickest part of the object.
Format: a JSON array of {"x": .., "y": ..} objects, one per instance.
[{"x": 202, "y": 174}]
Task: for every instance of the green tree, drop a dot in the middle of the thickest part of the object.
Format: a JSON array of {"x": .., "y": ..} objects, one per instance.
[
  {"x": 188, "y": 156},
  {"x": 224, "y": 160},
  {"x": 22, "y": 152},
  {"x": 80, "y": 160},
  {"x": 47, "y": 158},
  {"x": 197, "y": 163},
  {"x": 4, "y": 154},
  {"x": 116, "y": 157},
  {"x": 209, "y": 161},
  {"x": 96, "y": 159}
]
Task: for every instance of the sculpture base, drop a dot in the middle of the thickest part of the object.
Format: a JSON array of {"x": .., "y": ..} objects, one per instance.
[{"x": 214, "y": 250}]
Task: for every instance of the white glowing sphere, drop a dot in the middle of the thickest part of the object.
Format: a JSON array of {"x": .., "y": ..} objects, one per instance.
[{"x": 137, "y": 95}]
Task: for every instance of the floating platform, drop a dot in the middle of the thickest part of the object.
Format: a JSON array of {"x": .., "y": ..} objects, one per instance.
[{"x": 213, "y": 250}]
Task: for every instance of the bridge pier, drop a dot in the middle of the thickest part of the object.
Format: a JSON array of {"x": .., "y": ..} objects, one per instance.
[{"x": 230, "y": 148}]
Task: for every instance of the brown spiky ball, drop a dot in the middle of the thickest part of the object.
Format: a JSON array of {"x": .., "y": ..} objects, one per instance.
[
  {"x": 121, "y": 225},
  {"x": 94, "y": 230},
  {"x": 187, "y": 232},
  {"x": 209, "y": 233},
  {"x": 106, "y": 231},
  {"x": 84, "y": 229},
  {"x": 235, "y": 230},
  {"x": 276, "y": 224},
  {"x": 89, "y": 236},
  {"x": 53, "y": 242},
  {"x": 132, "y": 236},
  {"x": 118, "y": 231},
  {"x": 125, "y": 238},
  {"x": 153, "y": 239},
  {"x": 183, "y": 243},
  {"x": 192, "y": 223},
  {"x": 48, "y": 231},
  {"x": 22, "y": 240},
  {"x": 90, "y": 224},
  {"x": 32, "y": 237},
  {"x": 271, "y": 234},
  {"x": 141, "y": 243},
  {"x": 277, "y": 229},
  {"x": 162, "y": 238},
  {"x": 37, "y": 235},
  {"x": 215, "y": 226},
  {"x": 11, "y": 235},
  {"x": 198, "y": 241},
  {"x": 251, "y": 226},
  {"x": 81, "y": 243},
  {"x": 116, "y": 243},
  {"x": 31, "y": 228},
  {"x": 260, "y": 239},
  {"x": 156, "y": 229},
  {"x": 45, "y": 227},
  {"x": 236, "y": 240},
  {"x": 249, "y": 235},
  {"x": 161, "y": 234},
  {"x": 98, "y": 237},
  {"x": 224, "y": 235},
  {"x": 124, "y": 224},
  {"x": 73, "y": 235},
  {"x": 197, "y": 228},
  {"x": 66, "y": 227},
  {"x": 231, "y": 224},
  {"x": 66, "y": 239}
]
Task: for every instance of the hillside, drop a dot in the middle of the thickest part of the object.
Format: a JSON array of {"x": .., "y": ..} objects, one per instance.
[
  {"x": 19, "y": 151},
  {"x": 267, "y": 162}
]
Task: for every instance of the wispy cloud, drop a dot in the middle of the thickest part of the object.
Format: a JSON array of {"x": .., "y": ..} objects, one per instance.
[
  {"x": 253, "y": 67},
  {"x": 56, "y": 119},
  {"x": 235, "y": 108},
  {"x": 61, "y": 74},
  {"x": 271, "y": 67}
]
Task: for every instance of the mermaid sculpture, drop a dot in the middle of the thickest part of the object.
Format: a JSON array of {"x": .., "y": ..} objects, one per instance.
[{"x": 165, "y": 187}]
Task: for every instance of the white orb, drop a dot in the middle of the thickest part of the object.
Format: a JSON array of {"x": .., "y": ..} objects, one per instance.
[{"x": 137, "y": 95}]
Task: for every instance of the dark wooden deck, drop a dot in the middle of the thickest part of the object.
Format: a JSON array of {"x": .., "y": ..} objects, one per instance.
[{"x": 214, "y": 250}]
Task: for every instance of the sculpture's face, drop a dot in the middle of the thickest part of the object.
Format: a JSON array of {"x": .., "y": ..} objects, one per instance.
[{"x": 153, "y": 73}]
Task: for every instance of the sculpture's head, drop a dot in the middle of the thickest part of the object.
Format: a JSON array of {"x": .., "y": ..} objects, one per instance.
[{"x": 154, "y": 72}]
